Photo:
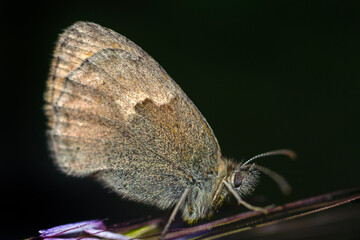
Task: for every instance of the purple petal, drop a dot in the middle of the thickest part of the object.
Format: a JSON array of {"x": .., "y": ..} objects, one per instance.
[{"x": 71, "y": 228}]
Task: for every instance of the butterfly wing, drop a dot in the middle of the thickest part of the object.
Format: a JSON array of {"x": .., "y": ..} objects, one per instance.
[{"x": 114, "y": 111}]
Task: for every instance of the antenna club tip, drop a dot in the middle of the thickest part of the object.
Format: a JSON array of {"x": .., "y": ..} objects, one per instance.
[{"x": 291, "y": 154}]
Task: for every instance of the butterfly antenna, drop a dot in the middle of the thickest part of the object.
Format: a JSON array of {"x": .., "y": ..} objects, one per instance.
[{"x": 289, "y": 153}]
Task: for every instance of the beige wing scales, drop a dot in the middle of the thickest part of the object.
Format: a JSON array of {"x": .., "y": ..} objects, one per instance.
[{"x": 110, "y": 105}]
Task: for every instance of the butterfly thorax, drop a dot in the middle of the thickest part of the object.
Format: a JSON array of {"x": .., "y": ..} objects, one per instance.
[
  {"x": 205, "y": 198},
  {"x": 208, "y": 195}
]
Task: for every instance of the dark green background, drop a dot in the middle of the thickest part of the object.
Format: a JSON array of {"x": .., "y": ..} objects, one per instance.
[{"x": 265, "y": 74}]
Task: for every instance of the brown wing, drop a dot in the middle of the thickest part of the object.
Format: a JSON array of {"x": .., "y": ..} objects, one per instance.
[{"x": 111, "y": 106}]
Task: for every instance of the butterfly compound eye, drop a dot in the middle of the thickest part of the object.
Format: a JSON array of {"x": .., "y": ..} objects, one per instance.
[{"x": 237, "y": 180}]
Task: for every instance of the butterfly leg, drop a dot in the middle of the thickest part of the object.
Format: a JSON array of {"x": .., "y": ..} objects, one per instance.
[
  {"x": 174, "y": 212},
  {"x": 242, "y": 202}
]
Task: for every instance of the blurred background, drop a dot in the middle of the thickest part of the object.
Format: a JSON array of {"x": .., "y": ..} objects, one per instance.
[{"x": 265, "y": 74}]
